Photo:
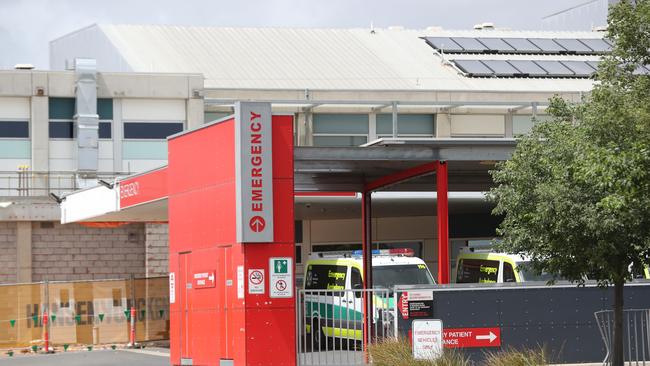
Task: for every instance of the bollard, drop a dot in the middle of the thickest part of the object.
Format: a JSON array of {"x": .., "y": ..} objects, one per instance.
[
  {"x": 132, "y": 336},
  {"x": 46, "y": 336}
]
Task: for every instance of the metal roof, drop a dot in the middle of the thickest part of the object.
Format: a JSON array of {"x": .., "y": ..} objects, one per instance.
[{"x": 318, "y": 59}]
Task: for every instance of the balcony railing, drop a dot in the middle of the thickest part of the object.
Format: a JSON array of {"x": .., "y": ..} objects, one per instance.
[{"x": 28, "y": 183}]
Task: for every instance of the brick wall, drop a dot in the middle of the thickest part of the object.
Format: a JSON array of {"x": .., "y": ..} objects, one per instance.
[
  {"x": 7, "y": 252},
  {"x": 157, "y": 249},
  {"x": 76, "y": 252}
]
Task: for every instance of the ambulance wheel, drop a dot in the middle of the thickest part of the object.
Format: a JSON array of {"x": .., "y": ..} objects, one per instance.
[{"x": 317, "y": 340}]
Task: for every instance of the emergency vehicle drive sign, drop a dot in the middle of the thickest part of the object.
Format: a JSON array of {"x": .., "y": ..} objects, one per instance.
[{"x": 254, "y": 172}]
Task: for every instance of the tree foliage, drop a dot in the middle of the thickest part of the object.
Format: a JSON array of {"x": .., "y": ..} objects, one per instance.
[{"x": 576, "y": 194}]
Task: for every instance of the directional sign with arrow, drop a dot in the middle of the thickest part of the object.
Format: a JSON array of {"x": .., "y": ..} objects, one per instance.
[
  {"x": 204, "y": 279},
  {"x": 471, "y": 337}
]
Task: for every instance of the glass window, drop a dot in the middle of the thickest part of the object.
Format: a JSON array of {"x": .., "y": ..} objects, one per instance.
[
  {"x": 409, "y": 274},
  {"x": 407, "y": 124},
  {"x": 151, "y": 130},
  {"x": 355, "y": 279},
  {"x": 334, "y": 141},
  {"x": 477, "y": 271},
  {"x": 64, "y": 108},
  {"x": 61, "y": 129},
  {"x": 105, "y": 130},
  {"x": 14, "y": 129},
  {"x": 105, "y": 108},
  {"x": 297, "y": 231},
  {"x": 340, "y": 129},
  {"x": 508, "y": 273},
  {"x": 325, "y": 277},
  {"x": 298, "y": 254}
]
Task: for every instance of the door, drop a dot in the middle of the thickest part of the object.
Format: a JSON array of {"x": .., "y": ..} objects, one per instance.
[{"x": 185, "y": 285}]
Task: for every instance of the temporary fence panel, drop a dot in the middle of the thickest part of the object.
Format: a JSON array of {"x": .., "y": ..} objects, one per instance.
[
  {"x": 84, "y": 312},
  {"x": 330, "y": 325},
  {"x": 636, "y": 335}
]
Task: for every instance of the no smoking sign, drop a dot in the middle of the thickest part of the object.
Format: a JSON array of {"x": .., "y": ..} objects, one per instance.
[
  {"x": 281, "y": 276},
  {"x": 256, "y": 281}
]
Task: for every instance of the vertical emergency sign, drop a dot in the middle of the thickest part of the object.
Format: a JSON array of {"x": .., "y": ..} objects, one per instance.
[{"x": 254, "y": 172}]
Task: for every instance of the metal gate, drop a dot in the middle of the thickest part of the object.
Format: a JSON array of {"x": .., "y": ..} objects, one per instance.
[
  {"x": 636, "y": 335},
  {"x": 329, "y": 325}
]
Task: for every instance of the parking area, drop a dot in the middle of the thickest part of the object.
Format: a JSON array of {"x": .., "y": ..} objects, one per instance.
[{"x": 147, "y": 357}]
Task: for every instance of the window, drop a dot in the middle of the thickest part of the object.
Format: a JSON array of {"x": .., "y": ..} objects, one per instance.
[
  {"x": 14, "y": 129},
  {"x": 297, "y": 227},
  {"x": 340, "y": 129},
  {"x": 356, "y": 282},
  {"x": 408, "y": 125},
  {"x": 61, "y": 116},
  {"x": 151, "y": 130},
  {"x": 477, "y": 271},
  {"x": 325, "y": 277},
  {"x": 508, "y": 273},
  {"x": 409, "y": 274}
]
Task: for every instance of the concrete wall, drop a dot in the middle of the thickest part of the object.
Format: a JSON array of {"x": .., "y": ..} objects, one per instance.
[
  {"x": 76, "y": 252},
  {"x": 156, "y": 249},
  {"x": 7, "y": 252}
]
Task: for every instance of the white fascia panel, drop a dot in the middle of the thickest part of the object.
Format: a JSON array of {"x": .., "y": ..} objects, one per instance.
[{"x": 88, "y": 204}]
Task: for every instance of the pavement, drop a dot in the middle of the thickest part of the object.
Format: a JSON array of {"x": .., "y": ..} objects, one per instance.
[{"x": 121, "y": 357}]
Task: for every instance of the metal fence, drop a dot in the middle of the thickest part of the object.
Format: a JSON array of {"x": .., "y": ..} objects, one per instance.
[
  {"x": 26, "y": 183},
  {"x": 330, "y": 326},
  {"x": 636, "y": 335},
  {"x": 83, "y": 312}
]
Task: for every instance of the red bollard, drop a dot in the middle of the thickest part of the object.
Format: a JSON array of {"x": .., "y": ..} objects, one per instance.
[
  {"x": 132, "y": 336},
  {"x": 46, "y": 336}
]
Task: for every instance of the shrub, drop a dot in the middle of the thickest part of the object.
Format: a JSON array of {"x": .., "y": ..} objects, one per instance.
[
  {"x": 398, "y": 353},
  {"x": 514, "y": 357}
]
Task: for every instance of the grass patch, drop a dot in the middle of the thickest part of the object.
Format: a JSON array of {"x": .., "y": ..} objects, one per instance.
[
  {"x": 398, "y": 353},
  {"x": 517, "y": 357}
]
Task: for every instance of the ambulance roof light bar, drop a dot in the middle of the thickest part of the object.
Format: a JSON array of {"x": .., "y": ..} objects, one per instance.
[{"x": 404, "y": 252}]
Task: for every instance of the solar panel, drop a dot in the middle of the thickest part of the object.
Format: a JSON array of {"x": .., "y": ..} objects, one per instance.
[
  {"x": 640, "y": 70},
  {"x": 580, "y": 68},
  {"x": 555, "y": 68},
  {"x": 501, "y": 67},
  {"x": 547, "y": 45},
  {"x": 496, "y": 44},
  {"x": 528, "y": 67},
  {"x": 470, "y": 44},
  {"x": 443, "y": 43},
  {"x": 573, "y": 45},
  {"x": 474, "y": 67},
  {"x": 593, "y": 64},
  {"x": 522, "y": 45},
  {"x": 597, "y": 44}
]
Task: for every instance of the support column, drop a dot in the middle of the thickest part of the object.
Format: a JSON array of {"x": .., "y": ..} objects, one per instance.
[
  {"x": 443, "y": 223},
  {"x": 443, "y": 125},
  {"x": 366, "y": 225},
  {"x": 23, "y": 251}
]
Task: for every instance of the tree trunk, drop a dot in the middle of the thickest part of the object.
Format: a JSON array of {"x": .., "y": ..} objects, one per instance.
[{"x": 618, "y": 358}]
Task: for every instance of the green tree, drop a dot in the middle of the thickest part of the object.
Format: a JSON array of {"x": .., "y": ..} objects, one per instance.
[{"x": 576, "y": 194}]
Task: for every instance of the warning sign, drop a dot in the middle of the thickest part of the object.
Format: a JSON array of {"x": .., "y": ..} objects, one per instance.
[
  {"x": 427, "y": 339},
  {"x": 281, "y": 273},
  {"x": 256, "y": 281}
]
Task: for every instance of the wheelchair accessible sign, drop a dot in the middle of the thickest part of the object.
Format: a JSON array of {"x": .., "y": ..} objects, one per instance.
[{"x": 281, "y": 276}]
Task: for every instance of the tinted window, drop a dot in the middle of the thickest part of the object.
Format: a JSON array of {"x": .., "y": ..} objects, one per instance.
[
  {"x": 14, "y": 129},
  {"x": 410, "y": 274},
  {"x": 477, "y": 271},
  {"x": 61, "y": 130},
  {"x": 105, "y": 130},
  {"x": 64, "y": 108},
  {"x": 508, "y": 273},
  {"x": 325, "y": 277},
  {"x": 151, "y": 130}
]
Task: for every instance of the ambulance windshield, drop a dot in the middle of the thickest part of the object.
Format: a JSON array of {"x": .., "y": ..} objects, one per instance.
[{"x": 411, "y": 274}]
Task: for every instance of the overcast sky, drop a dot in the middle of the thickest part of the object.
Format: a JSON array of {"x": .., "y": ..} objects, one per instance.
[{"x": 26, "y": 26}]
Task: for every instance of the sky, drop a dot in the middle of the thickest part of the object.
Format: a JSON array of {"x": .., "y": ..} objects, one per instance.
[{"x": 27, "y": 26}]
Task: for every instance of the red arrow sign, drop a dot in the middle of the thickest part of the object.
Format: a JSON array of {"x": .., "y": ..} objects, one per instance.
[
  {"x": 257, "y": 223},
  {"x": 471, "y": 337}
]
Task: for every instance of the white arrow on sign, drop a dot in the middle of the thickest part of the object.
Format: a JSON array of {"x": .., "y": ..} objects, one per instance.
[
  {"x": 490, "y": 336},
  {"x": 211, "y": 277}
]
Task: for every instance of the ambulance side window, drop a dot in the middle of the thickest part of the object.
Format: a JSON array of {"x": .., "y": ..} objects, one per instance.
[
  {"x": 508, "y": 273},
  {"x": 325, "y": 277},
  {"x": 477, "y": 271},
  {"x": 356, "y": 282}
]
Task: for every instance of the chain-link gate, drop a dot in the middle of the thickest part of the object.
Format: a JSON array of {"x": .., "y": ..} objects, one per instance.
[{"x": 330, "y": 325}]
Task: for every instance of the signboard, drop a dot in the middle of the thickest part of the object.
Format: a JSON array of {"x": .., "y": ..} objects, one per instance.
[
  {"x": 254, "y": 172},
  {"x": 420, "y": 304},
  {"x": 203, "y": 280},
  {"x": 240, "y": 282},
  {"x": 472, "y": 337},
  {"x": 255, "y": 281},
  {"x": 143, "y": 188},
  {"x": 427, "y": 339},
  {"x": 172, "y": 287},
  {"x": 281, "y": 274}
]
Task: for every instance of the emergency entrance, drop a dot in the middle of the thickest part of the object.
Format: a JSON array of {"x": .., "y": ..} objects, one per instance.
[{"x": 228, "y": 195}]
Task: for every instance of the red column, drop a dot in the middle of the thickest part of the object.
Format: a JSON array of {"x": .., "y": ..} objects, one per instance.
[
  {"x": 443, "y": 223},
  {"x": 366, "y": 225}
]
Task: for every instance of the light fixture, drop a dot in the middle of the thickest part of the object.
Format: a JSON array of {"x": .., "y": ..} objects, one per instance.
[
  {"x": 57, "y": 198},
  {"x": 106, "y": 184}
]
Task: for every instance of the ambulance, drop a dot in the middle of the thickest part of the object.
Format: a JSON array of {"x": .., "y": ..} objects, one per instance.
[{"x": 333, "y": 292}]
